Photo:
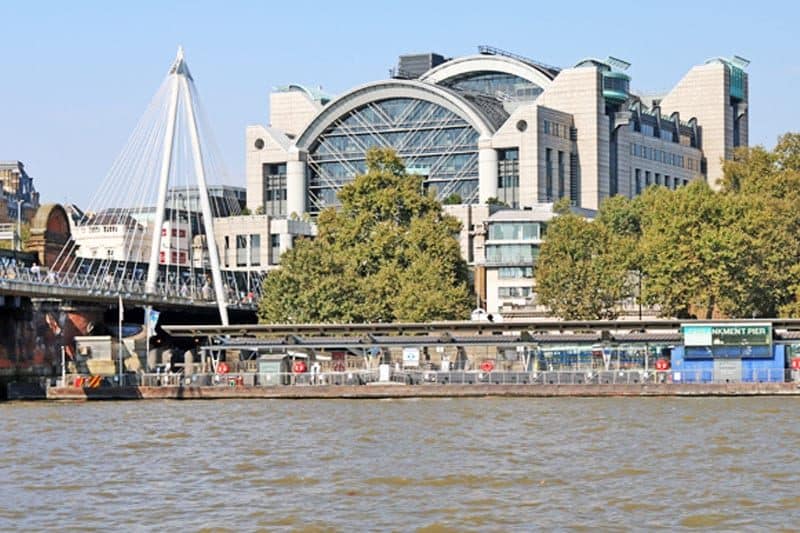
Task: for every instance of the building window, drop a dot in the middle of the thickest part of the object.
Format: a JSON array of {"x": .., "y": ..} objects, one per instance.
[
  {"x": 227, "y": 251},
  {"x": 515, "y": 272},
  {"x": 435, "y": 142},
  {"x": 574, "y": 190},
  {"x": 512, "y": 254},
  {"x": 658, "y": 178},
  {"x": 514, "y": 231},
  {"x": 513, "y": 292},
  {"x": 560, "y": 174},
  {"x": 241, "y": 250},
  {"x": 638, "y": 181},
  {"x": 274, "y": 176},
  {"x": 255, "y": 249},
  {"x": 667, "y": 182},
  {"x": 549, "y": 174},
  {"x": 508, "y": 176},
  {"x": 275, "y": 248},
  {"x": 646, "y": 178}
]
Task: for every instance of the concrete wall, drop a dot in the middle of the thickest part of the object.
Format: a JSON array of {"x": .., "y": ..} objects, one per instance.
[
  {"x": 578, "y": 91},
  {"x": 290, "y": 111},
  {"x": 704, "y": 93},
  {"x": 627, "y": 163},
  {"x": 274, "y": 151},
  {"x": 264, "y": 226}
]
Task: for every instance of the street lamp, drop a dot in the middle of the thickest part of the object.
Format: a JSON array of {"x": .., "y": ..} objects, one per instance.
[{"x": 19, "y": 224}]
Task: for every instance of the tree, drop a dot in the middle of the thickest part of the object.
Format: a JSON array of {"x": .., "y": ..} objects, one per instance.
[
  {"x": 578, "y": 274},
  {"x": 453, "y": 199},
  {"x": 730, "y": 253},
  {"x": 388, "y": 254},
  {"x": 768, "y": 185},
  {"x": 692, "y": 253},
  {"x": 496, "y": 201}
]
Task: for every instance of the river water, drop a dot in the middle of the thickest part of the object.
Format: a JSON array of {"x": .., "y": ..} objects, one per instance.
[{"x": 402, "y": 465}]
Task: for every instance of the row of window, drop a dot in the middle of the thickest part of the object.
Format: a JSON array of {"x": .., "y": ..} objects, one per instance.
[
  {"x": 662, "y": 156},
  {"x": 514, "y": 231},
  {"x": 654, "y": 154},
  {"x": 555, "y": 129},
  {"x": 665, "y": 134},
  {"x": 656, "y": 179},
  {"x": 514, "y": 292},
  {"x": 515, "y": 272},
  {"x": 242, "y": 248},
  {"x": 511, "y": 254}
]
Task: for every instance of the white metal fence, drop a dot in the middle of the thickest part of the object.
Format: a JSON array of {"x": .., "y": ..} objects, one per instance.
[{"x": 452, "y": 378}]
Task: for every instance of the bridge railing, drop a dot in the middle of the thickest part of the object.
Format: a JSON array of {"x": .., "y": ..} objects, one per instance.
[{"x": 110, "y": 285}]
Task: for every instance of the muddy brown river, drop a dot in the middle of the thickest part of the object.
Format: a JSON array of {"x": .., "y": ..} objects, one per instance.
[{"x": 402, "y": 465}]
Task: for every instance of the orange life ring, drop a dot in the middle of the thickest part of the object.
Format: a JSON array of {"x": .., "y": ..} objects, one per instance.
[
  {"x": 338, "y": 366},
  {"x": 223, "y": 368},
  {"x": 662, "y": 364},
  {"x": 487, "y": 366},
  {"x": 299, "y": 367},
  {"x": 796, "y": 363}
]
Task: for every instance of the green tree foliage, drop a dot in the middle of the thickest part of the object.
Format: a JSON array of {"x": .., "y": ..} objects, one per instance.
[
  {"x": 453, "y": 199},
  {"x": 388, "y": 254},
  {"x": 579, "y": 275},
  {"x": 692, "y": 251},
  {"x": 496, "y": 201},
  {"x": 732, "y": 252}
]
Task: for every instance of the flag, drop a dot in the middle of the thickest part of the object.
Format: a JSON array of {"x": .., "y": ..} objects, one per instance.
[{"x": 152, "y": 321}]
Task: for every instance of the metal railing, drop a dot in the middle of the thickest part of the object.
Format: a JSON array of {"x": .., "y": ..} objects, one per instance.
[
  {"x": 454, "y": 378},
  {"x": 14, "y": 273}
]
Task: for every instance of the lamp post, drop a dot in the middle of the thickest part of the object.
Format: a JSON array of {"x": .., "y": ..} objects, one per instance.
[
  {"x": 19, "y": 224},
  {"x": 639, "y": 295}
]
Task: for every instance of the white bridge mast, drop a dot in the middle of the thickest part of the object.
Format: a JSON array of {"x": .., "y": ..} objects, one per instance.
[{"x": 180, "y": 83}]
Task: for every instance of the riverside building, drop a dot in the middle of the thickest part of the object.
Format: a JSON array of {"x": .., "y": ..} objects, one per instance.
[{"x": 499, "y": 127}]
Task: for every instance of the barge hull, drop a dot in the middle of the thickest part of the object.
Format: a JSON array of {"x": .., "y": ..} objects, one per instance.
[{"x": 419, "y": 391}]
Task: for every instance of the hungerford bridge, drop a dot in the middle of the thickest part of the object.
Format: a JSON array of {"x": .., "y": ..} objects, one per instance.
[{"x": 165, "y": 253}]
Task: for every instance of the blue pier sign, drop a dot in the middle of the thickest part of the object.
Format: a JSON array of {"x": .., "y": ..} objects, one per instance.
[{"x": 727, "y": 341}]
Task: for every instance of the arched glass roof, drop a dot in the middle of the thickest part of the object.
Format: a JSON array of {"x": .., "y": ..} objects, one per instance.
[
  {"x": 434, "y": 142},
  {"x": 501, "y": 85}
]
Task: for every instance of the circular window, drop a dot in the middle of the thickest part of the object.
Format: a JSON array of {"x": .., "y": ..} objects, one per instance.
[
  {"x": 522, "y": 125},
  {"x": 259, "y": 144}
]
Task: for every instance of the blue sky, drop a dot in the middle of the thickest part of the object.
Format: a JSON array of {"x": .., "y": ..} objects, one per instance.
[{"x": 77, "y": 75}]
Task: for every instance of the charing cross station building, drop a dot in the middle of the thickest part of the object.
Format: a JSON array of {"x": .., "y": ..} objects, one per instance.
[{"x": 497, "y": 127}]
